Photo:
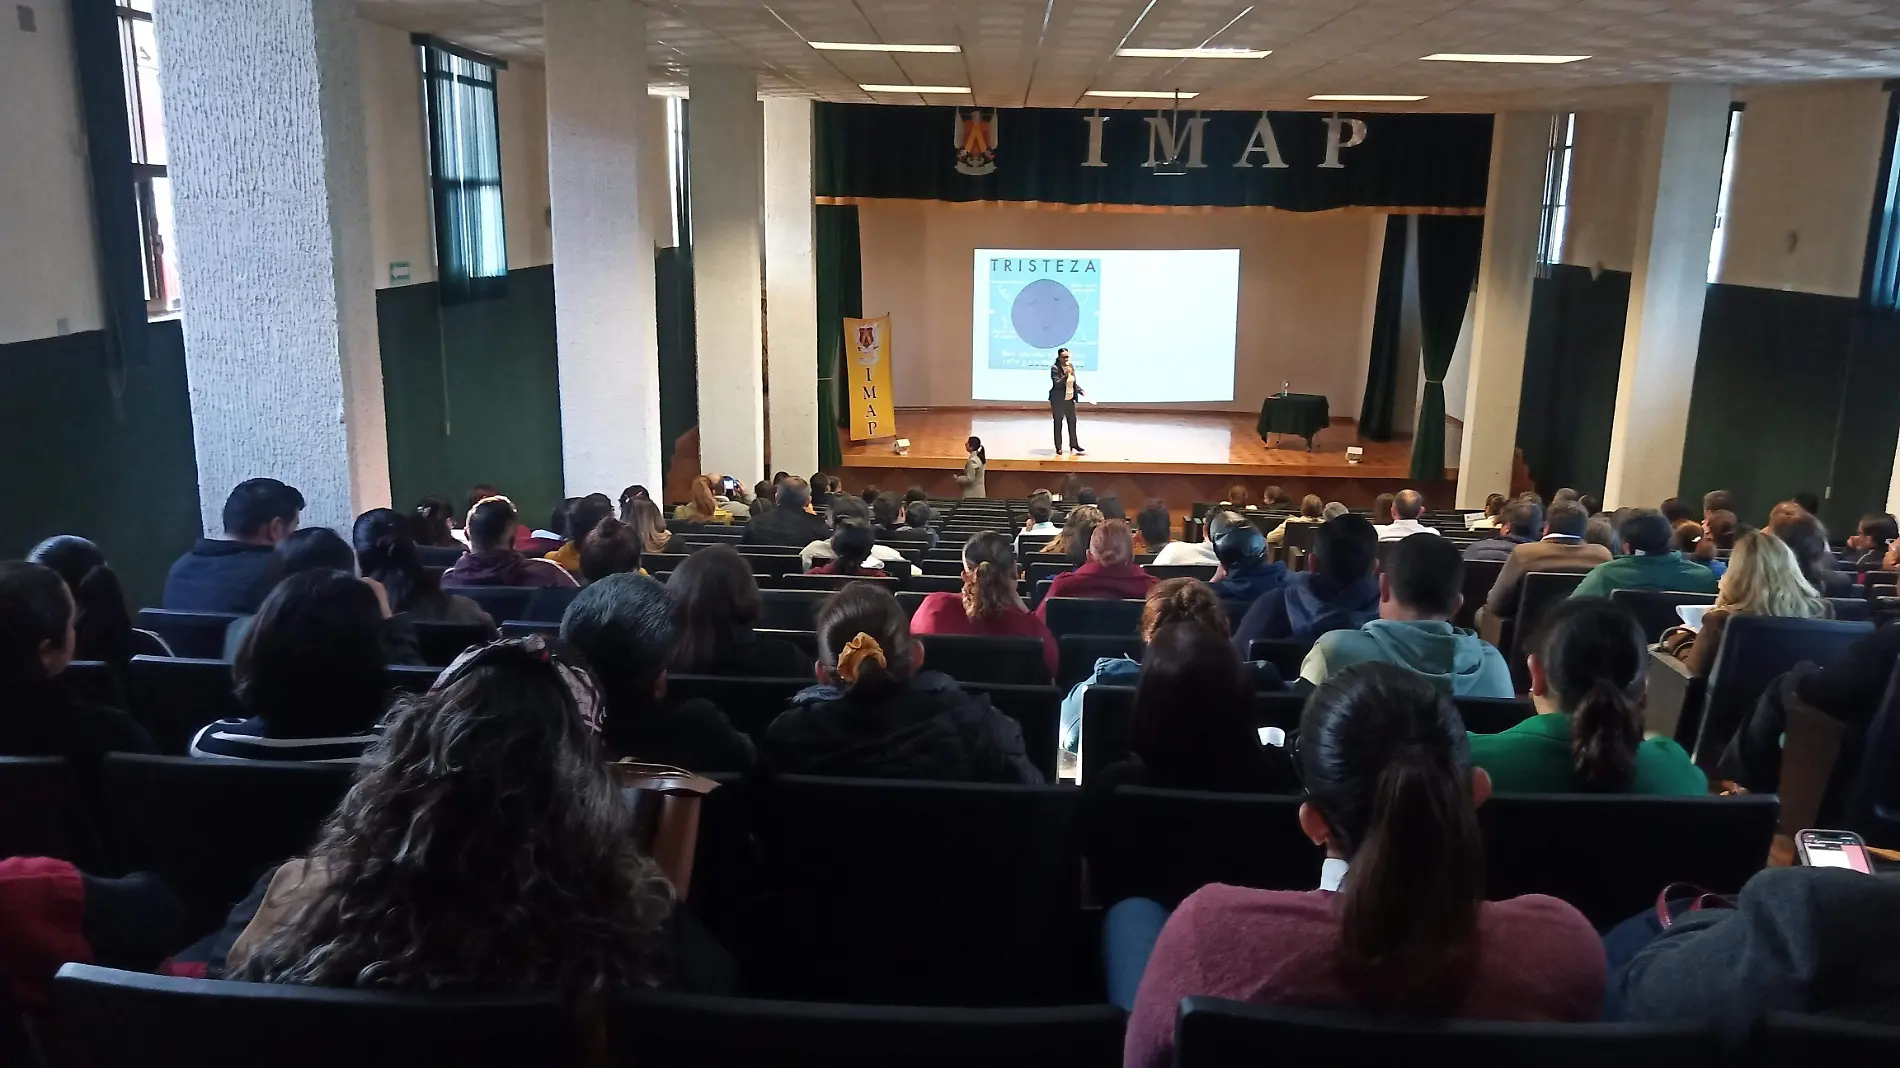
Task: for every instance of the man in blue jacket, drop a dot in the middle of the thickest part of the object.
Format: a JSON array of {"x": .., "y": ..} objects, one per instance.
[
  {"x": 1338, "y": 591},
  {"x": 235, "y": 572}
]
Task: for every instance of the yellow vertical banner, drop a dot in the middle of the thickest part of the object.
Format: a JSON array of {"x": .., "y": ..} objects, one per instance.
[{"x": 868, "y": 347}]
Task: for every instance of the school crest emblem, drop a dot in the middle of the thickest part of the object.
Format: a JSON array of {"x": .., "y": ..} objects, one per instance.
[{"x": 975, "y": 138}]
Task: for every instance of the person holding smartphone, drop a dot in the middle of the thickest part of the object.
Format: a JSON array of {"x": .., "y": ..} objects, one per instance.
[{"x": 1064, "y": 391}]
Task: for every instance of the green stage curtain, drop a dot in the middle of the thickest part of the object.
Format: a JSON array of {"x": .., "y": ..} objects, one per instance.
[
  {"x": 840, "y": 294},
  {"x": 676, "y": 332},
  {"x": 1448, "y": 249},
  {"x": 1382, "y": 369}
]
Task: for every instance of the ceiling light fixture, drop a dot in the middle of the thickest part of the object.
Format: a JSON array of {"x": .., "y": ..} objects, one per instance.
[
  {"x": 876, "y": 46},
  {"x": 1367, "y": 98},
  {"x": 931, "y": 89},
  {"x": 1499, "y": 57},
  {"x": 1194, "y": 53},
  {"x": 1140, "y": 94}
]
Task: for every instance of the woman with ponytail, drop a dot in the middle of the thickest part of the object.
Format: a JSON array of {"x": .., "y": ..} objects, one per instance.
[
  {"x": 876, "y": 713},
  {"x": 1399, "y": 923},
  {"x": 1588, "y": 683},
  {"x": 386, "y": 552},
  {"x": 103, "y": 628},
  {"x": 975, "y": 461},
  {"x": 989, "y": 603}
]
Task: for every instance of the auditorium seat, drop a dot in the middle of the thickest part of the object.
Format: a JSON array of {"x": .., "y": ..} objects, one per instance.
[
  {"x": 927, "y": 583},
  {"x": 1852, "y": 609},
  {"x": 1166, "y": 844},
  {"x": 44, "y": 813},
  {"x": 1039, "y": 570},
  {"x": 772, "y": 561},
  {"x": 1079, "y": 652},
  {"x": 93, "y": 682},
  {"x": 549, "y": 605},
  {"x": 441, "y": 643},
  {"x": 212, "y": 827},
  {"x": 1285, "y": 654},
  {"x": 713, "y": 1032},
  {"x": 174, "y": 696},
  {"x": 1480, "y": 576},
  {"x": 1656, "y": 609},
  {"x": 1216, "y": 1033},
  {"x": 1755, "y": 651},
  {"x": 1037, "y": 710},
  {"x": 198, "y": 635},
  {"x": 1802, "y": 1040},
  {"x": 521, "y": 628},
  {"x": 410, "y": 678},
  {"x": 1093, "y": 615},
  {"x": 1537, "y": 594},
  {"x": 1871, "y": 792},
  {"x": 835, "y": 582},
  {"x": 134, "y": 1020},
  {"x": 661, "y": 563},
  {"x": 791, "y": 609},
  {"x": 502, "y": 603},
  {"x": 1204, "y": 572},
  {"x": 984, "y": 658}
]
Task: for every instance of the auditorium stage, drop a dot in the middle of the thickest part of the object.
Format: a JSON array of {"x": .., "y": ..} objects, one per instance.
[{"x": 1178, "y": 456}]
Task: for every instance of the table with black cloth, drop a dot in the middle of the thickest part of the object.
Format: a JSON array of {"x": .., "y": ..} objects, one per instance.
[{"x": 1305, "y": 414}]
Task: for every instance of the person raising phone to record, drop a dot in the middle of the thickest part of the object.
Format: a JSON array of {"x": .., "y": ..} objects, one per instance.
[{"x": 1064, "y": 391}]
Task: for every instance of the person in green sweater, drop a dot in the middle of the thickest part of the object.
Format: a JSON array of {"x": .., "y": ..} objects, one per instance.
[
  {"x": 1648, "y": 562},
  {"x": 1587, "y": 681}
]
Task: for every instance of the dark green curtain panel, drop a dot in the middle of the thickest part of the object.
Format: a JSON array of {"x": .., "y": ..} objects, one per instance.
[
  {"x": 1448, "y": 248},
  {"x": 840, "y": 294},
  {"x": 1382, "y": 370},
  {"x": 679, "y": 347}
]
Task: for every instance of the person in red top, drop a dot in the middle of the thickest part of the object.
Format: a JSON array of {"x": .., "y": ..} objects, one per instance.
[
  {"x": 1111, "y": 571},
  {"x": 1399, "y": 924},
  {"x": 989, "y": 603}
]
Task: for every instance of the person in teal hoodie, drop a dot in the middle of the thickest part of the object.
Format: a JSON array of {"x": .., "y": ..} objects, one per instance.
[
  {"x": 1419, "y": 593},
  {"x": 1648, "y": 562}
]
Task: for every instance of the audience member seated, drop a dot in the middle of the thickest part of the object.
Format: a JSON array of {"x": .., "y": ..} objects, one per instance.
[
  {"x": 490, "y": 560},
  {"x": 886, "y": 514},
  {"x": 1588, "y": 681},
  {"x": 1849, "y": 691},
  {"x": 611, "y": 548},
  {"x": 1763, "y": 579},
  {"x": 1339, "y": 590},
  {"x": 1181, "y": 601},
  {"x": 310, "y": 675},
  {"x": 1407, "y": 506},
  {"x": 1072, "y": 544},
  {"x": 37, "y": 717},
  {"x": 848, "y": 508},
  {"x": 1520, "y": 523},
  {"x": 322, "y": 549},
  {"x": 1719, "y": 530},
  {"x": 1562, "y": 549},
  {"x": 1390, "y": 794},
  {"x": 1109, "y": 573},
  {"x": 851, "y": 546},
  {"x": 764, "y": 497},
  {"x": 1245, "y": 573},
  {"x": 1419, "y": 593},
  {"x": 1154, "y": 529},
  {"x": 1192, "y": 553},
  {"x": 876, "y": 713},
  {"x": 1805, "y": 535},
  {"x": 916, "y": 528},
  {"x": 541, "y": 541},
  {"x": 1275, "y": 497},
  {"x": 1492, "y": 516},
  {"x": 989, "y": 604},
  {"x": 235, "y": 573},
  {"x": 1676, "y": 512},
  {"x": 433, "y": 525},
  {"x": 1382, "y": 509},
  {"x": 623, "y": 626},
  {"x": 1804, "y": 939},
  {"x": 716, "y": 605},
  {"x": 701, "y": 506},
  {"x": 1602, "y": 531},
  {"x": 914, "y": 495},
  {"x": 650, "y": 527},
  {"x": 790, "y": 522},
  {"x": 1111, "y": 506},
  {"x": 583, "y": 515},
  {"x": 1875, "y": 535},
  {"x": 1312, "y": 510},
  {"x": 1334, "y": 510},
  {"x": 1647, "y": 563},
  {"x": 103, "y": 627},
  {"x": 1041, "y": 511},
  {"x": 629, "y": 495},
  {"x": 385, "y": 553},
  {"x": 1237, "y": 497},
  {"x": 1591, "y": 505},
  {"x": 1086, "y": 495},
  {"x": 484, "y": 847},
  {"x": 1808, "y": 501}
]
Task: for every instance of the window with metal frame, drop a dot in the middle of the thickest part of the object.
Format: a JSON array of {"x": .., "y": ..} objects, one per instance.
[
  {"x": 1556, "y": 214},
  {"x": 151, "y": 177},
  {"x": 1880, "y": 280},
  {"x": 471, "y": 248}
]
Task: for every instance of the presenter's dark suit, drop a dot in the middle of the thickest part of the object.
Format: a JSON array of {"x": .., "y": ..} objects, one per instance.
[{"x": 1061, "y": 408}]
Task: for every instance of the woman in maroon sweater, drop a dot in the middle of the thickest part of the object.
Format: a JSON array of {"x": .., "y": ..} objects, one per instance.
[
  {"x": 1399, "y": 923},
  {"x": 989, "y": 603},
  {"x": 1111, "y": 571}
]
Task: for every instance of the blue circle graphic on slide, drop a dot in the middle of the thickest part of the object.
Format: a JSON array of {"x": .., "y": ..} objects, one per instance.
[{"x": 1045, "y": 314}]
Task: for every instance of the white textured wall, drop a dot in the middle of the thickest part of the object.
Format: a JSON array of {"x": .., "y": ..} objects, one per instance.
[
  {"x": 47, "y": 270},
  {"x": 521, "y": 101},
  {"x": 270, "y": 171},
  {"x": 603, "y": 273},
  {"x": 656, "y": 188},
  {"x": 1604, "y": 159},
  {"x": 727, "y": 146},
  {"x": 395, "y": 131},
  {"x": 791, "y": 287}
]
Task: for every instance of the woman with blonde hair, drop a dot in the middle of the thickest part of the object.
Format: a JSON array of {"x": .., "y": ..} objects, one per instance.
[
  {"x": 1763, "y": 579},
  {"x": 989, "y": 603},
  {"x": 1073, "y": 541},
  {"x": 648, "y": 525},
  {"x": 701, "y": 507}
]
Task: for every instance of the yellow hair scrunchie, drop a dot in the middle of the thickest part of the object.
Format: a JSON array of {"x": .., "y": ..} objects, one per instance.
[{"x": 855, "y": 652}]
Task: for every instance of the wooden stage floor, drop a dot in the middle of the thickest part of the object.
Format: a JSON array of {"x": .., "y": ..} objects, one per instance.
[{"x": 1145, "y": 442}]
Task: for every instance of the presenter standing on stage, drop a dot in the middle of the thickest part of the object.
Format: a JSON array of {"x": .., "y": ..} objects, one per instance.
[{"x": 1063, "y": 393}]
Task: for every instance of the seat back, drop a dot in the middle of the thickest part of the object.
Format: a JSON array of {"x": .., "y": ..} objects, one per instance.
[
  {"x": 795, "y": 581},
  {"x": 549, "y": 605},
  {"x": 1480, "y": 576},
  {"x": 410, "y": 678},
  {"x": 44, "y": 813},
  {"x": 985, "y": 658},
  {"x": 132, "y": 1020},
  {"x": 439, "y": 555},
  {"x": 1037, "y": 710},
  {"x": 750, "y": 703},
  {"x": 1656, "y": 609},
  {"x": 1215, "y": 1033},
  {"x": 502, "y": 603},
  {"x": 1755, "y": 651},
  {"x": 1852, "y": 609},
  {"x": 1166, "y": 844},
  {"x": 1079, "y": 652},
  {"x": 774, "y": 562},
  {"x": 934, "y": 583},
  {"x": 1784, "y": 1039},
  {"x": 522, "y": 628},
  {"x": 1093, "y": 615},
  {"x": 712, "y": 1032},
  {"x": 791, "y": 609},
  {"x": 441, "y": 643},
  {"x": 919, "y": 893},
  {"x": 661, "y": 563},
  {"x": 1285, "y": 654},
  {"x": 93, "y": 682},
  {"x": 174, "y": 696},
  {"x": 1041, "y": 570},
  {"x": 1204, "y": 572},
  {"x": 1538, "y": 593},
  {"x": 193, "y": 634},
  {"x": 211, "y": 827},
  {"x": 1873, "y": 793}
]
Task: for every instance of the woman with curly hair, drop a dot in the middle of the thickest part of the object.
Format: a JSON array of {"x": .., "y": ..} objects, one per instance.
[
  {"x": 1073, "y": 542},
  {"x": 989, "y": 603},
  {"x": 484, "y": 845}
]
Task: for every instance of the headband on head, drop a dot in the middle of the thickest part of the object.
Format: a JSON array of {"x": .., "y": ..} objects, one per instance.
[{"x": 579, "y": 684}]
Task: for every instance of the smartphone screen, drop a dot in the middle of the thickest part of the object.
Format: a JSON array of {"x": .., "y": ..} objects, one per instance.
[{"x": 1834, "y": 849}]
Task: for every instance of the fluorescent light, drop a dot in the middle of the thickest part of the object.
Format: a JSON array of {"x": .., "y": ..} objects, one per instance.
[
  {"x": 1367, "y": 98},
  {"x": 1139, "y": 94},
  {"x": 915, "y": 88},
  {"x": 874, "y": 46},
  {"x": 1194, "y": 53},
  {"x": 1499, "y": 57}
]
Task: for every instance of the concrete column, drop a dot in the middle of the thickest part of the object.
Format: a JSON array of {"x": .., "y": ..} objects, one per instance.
[
  {"x": 603, "y": 254},
  {"x": 1501, "y": 315},
  {"x": 271, "y": 189},
  {"x": 1680, "y": 178},
  {"x": 727, "y": 137},
  {"x": 791, "y": 287},
  {"x": 656, "y": 189}
]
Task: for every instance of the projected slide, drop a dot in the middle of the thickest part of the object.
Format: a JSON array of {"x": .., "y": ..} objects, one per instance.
[{"x": 1140, "y": 324}]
